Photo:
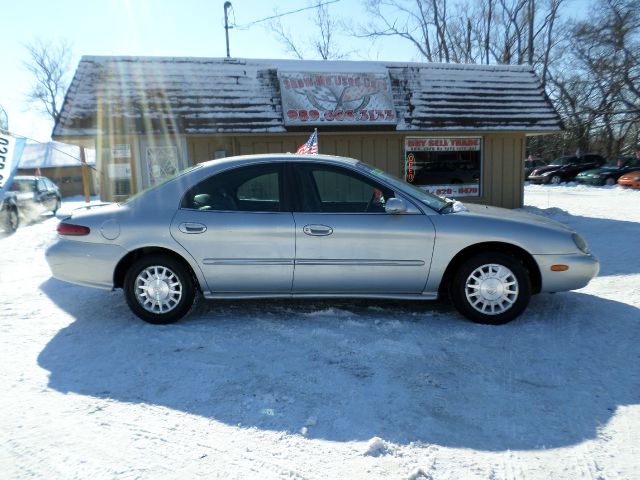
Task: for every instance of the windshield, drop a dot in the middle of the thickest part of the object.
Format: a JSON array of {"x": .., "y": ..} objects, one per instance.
[
  {"x": 22, "y": 185},
  {"x": 559, "y": 162},
  {"x": 427, "y": 198}
]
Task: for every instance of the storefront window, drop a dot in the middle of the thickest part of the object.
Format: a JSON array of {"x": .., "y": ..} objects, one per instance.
[{"x": 446, "y": 166}]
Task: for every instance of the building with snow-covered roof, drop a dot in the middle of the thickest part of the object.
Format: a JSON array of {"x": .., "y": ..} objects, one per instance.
[
  {"x": 456, "y": 130},
  {"x": 60, "y": 163}
]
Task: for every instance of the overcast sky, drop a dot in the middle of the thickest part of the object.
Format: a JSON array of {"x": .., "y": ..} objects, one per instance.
[{"x": 155, "y": 27}]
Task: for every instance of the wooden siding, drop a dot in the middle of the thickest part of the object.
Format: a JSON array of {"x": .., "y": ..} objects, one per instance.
[{"x": 503, "y": 156}]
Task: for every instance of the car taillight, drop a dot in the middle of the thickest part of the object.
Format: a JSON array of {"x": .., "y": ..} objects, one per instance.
[{"x": 70, "y": 229}]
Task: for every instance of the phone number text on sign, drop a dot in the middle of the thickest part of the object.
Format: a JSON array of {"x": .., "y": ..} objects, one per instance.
[
  {"x": 453, "y": 190},
  {"x": 340, "y": 115}
]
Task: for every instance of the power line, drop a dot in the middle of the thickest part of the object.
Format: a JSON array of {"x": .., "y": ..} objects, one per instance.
[
  {"x": 247, "y": 25},
  {"x": 52, "y": 146}
]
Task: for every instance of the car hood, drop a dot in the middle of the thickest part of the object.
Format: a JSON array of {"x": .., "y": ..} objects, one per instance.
[
  {"x": 517, "y": 216},
  {"x": 548, "y": 168},
  {"x": 633, "y": 174}
]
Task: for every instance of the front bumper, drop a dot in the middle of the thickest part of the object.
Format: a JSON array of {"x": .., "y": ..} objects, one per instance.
[
  {"x": 590, "y": 181},
  {"x": 582, "y": 268},
  {"x": 539, "y": 179},
  {"x": 82, "y": 263}
]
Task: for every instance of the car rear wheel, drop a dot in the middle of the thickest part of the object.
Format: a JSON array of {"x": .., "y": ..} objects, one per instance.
[
  {"x": 610, "y": 181},
  {"x": 491, "y": 288},
  {"x": 556, "y": 179},
  {"x": 159, "y": 289},
  {"x": 57, "y": 206},
  {"x": 12, "y": 220}
]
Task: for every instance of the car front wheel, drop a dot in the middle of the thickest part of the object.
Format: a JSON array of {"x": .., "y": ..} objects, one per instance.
[
  {"x": 556, "y": 179},
  {"x": 159, "y": 289},
  {"x": 491, "y": 288}
]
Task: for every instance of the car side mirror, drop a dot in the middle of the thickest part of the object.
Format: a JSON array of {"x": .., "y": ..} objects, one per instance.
[{"x": 395, "y": 206}]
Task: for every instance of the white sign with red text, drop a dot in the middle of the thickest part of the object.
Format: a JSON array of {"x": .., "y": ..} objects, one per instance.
[
  {"x": 336, "y": 98},
  {"x": 443, "y": 144}
]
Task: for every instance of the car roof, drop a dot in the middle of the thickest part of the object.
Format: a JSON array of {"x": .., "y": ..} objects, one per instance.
[{"x": 279, "y": 157}]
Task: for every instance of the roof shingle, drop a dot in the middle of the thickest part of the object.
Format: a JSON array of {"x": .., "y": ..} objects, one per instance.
[{"x": 214, "y": 96}]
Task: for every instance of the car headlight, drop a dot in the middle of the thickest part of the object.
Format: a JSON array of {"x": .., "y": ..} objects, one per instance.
[{"x": 580, "y": 242}]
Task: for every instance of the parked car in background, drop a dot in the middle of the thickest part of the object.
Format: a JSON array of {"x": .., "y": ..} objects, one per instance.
[
  {"x": 609, "y": 173},
  {"x": 564, "y": 169},
  {"x": 9, "y": 218},
  {"x": 238, "y": 227},
  {"x": 35, "y": 196},
  {"x": 630, "y": 179},
  {"x": 531, "y": 165}
]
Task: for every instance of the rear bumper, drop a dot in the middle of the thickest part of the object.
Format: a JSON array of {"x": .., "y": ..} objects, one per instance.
[
  {"x": 582, "y": 268},
  {"x": 88, "y": 264}
]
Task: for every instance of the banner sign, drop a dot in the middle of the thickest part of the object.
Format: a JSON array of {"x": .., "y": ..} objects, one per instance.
[
  {"x": 10, "y": 154},
  {"x": 336, "y": 98},
  {"x": 440, "y": 144},
  {"x": 444, "y": 166}
]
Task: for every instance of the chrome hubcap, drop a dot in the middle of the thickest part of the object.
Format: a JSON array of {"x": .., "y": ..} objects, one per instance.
[
  {"x": 158, "y": 289},
  {"x": 491, "y": 289}
]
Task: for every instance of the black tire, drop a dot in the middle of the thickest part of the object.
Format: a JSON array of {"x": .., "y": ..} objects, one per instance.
[
  {"x": 508, "y": 288},
  {"x": 57, "y": 206},
  {"x": 555, "y": 179},
  {"x": 175, "y": 289},
  {"x": 12, "y": 220},
  {"x": 610, "y": 181}
]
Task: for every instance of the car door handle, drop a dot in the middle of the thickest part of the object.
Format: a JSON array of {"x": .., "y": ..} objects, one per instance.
[
  {"x": 192, "y": 227},
  {"x": 317, "y": 230}
]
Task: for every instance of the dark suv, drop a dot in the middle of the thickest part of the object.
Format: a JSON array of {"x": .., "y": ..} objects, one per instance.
[
  {"x": 35, "y": 195},
  {"x": 566, "y": 168}
]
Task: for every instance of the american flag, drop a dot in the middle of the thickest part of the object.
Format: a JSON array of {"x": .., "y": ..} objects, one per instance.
[{"x": 310, "y": 147}]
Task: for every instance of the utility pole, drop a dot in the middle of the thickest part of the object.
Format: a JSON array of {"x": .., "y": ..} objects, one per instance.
[{"x": 227, "y": 6}]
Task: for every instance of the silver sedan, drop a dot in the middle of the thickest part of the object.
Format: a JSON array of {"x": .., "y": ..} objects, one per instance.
[{"x": 313, "y": 226}]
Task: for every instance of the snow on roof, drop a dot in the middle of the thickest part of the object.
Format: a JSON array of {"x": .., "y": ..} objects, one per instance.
[
  {"x": 218, "y": 95},
  {"x": 53, "y": 154}
]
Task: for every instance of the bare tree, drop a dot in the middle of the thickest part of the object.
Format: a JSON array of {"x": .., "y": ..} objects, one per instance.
[
  {"x": 484, "y": 31},
  {"x": 322, "y": 42},
  {"x": 49, "y": 63}
]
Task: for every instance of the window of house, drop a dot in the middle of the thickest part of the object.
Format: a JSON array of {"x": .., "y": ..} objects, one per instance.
[{"x": 446, "y": 166}]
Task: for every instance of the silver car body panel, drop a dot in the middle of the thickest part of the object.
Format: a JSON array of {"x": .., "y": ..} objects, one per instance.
[
  {"x": 240, "y": 251},
  {"x": 365, "y": 253},
  {"x": 92, "y": 268},
  {"x": 256, "y": 254},
  {"x": 582, "y": 268}
]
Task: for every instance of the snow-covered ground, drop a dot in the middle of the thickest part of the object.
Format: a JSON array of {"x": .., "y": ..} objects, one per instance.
[{"x": 327, "y": 390}]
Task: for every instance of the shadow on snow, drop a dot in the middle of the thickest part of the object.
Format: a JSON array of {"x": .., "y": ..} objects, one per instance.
[{"x": 352, "y": 370}]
